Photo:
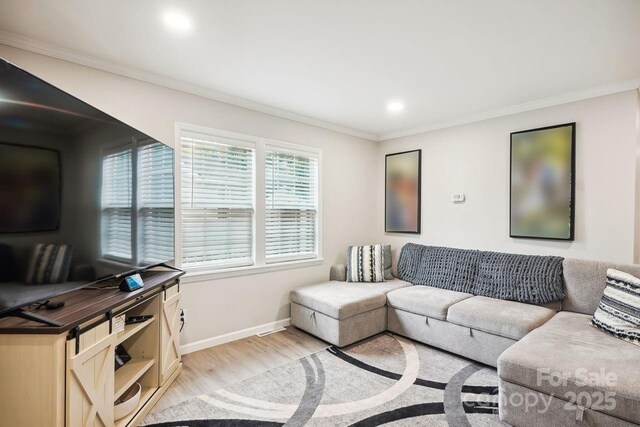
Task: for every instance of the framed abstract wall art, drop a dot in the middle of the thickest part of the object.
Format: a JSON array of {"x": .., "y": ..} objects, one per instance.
[
  {"x": 402, "y": 192},
  {"x": 543, "y": 183}
]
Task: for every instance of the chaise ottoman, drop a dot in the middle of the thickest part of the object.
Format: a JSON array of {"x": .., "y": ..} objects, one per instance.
[{"x": 342, "y": 313}]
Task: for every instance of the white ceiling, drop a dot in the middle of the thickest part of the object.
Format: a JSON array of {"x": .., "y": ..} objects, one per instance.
[{"x": 339, "y": 62}]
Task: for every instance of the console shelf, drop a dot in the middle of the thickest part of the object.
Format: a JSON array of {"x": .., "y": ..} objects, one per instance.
[
  {"x": 131, "y": 330},
  {"x": 130, "y": 373}
]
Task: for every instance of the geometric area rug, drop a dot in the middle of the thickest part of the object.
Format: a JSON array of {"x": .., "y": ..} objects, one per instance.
[{"x": 386, "y": 380}]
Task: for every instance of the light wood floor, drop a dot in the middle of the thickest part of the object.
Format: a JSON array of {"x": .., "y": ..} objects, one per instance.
[{"x": 207, "y": 370}]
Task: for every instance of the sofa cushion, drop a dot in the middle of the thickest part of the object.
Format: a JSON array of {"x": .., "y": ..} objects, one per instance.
[
  {"x": 385, "y": 287},
  {"x": 561, "y": 355},
  {"x": 554, "y": 305},
  {"x": 342, "y": 300},
  {"x": 425, "y": 300},
  {"x": 505, "y": 318}
]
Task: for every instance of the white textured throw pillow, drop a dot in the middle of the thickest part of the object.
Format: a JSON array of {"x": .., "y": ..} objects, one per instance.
[
  {"x": 619, "y": 309},
  {"x": 365, "y": 263}
]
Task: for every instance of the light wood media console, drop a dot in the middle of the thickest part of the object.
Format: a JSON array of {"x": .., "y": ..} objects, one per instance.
[{"x": 65, "y": 376}]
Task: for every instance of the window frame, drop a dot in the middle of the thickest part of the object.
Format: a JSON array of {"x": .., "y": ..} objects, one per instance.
[
  {"x": 260, "y": 264},
  {"x": 237, "y": 141},
  {"x": 118, "y": 145},
  {"x": 134, "y": 144},
  {"x": 139, "y": 146},
  {"x": 294, "y": 150}
]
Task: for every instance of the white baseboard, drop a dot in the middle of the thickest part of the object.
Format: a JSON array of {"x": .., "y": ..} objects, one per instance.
[{"x": 233, "y": 336}]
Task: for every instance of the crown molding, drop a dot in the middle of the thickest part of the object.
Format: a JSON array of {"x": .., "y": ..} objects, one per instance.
[
  {"x": 582, "y": 95},
  {"x": 91, "y": 61}
]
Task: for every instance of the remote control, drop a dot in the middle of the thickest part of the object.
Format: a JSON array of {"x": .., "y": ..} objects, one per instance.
[
  {"x": 54, "y": 305},
  {"x": 138, "y": 319}
]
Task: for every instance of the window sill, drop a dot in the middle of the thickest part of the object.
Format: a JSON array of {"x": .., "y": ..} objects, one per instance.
[{"x": 200, "y": 276}]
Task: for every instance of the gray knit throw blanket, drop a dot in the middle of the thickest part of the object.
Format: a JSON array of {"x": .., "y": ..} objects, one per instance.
[{"x": 525, "y": 278}]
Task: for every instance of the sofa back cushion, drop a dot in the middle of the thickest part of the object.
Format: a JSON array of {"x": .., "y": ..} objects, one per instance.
[
  {"x": 440, "y": 267},
  {"x": 525, "y": 278},
  {"x": 388, "y": 262},
  {"x": 585, "y": 282}
]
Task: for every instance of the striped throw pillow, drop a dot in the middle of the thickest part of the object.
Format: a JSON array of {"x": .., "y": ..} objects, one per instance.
[
  {"x": 619, "y": 309},
  {"x": 365, "y": 263},
  {"x": 49, "y": 263}
]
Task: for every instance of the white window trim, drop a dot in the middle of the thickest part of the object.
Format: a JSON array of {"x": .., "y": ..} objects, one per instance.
[
  {"x": 295, "y": 150},
  {"x": 200, "y": 276},
  {"x": 129, "y": 142},
  {"x": 135, "y": 145},
  {"x": 260, "y": 265}
]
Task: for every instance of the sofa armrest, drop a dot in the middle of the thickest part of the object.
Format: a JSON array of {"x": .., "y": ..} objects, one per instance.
[{"x": 338, "y": 272}]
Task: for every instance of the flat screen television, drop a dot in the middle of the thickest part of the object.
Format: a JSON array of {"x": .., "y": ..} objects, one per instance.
[{"x": 83, "y": 196}]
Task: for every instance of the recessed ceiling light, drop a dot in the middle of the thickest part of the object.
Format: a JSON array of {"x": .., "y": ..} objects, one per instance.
[
  {"x": 394, "y": 107},
  {"x": 177, "y": 21}
]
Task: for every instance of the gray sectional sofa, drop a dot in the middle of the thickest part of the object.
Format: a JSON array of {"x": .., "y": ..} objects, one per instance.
[{"x": 546, "y": 351}]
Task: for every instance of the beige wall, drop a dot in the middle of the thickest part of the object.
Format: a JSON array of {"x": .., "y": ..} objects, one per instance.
[
  {"x": 636, "y": 254},
  {"x": 474, "y": 159},
  {"x": 222, "y": 306}
]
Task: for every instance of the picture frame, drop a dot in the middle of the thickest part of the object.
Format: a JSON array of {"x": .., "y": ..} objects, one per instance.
[
  {"x": 542, "y": 171},
  {"x": 403, "y": 192}
]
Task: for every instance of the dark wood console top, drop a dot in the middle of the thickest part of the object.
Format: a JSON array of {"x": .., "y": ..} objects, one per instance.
[{"x": 85, "y": 304}]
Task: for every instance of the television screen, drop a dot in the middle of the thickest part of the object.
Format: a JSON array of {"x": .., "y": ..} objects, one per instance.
[
  {"x": 82, "y": 194},
  {"x": 30, "y": 194}
]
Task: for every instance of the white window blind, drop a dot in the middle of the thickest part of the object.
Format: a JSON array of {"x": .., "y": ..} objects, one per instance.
[
  {"x": 291, "y": 195},
  {"x": 115, "y": 231},
  {"x": 155, "y": 202},
  {"x": 217, "y": 198}
]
